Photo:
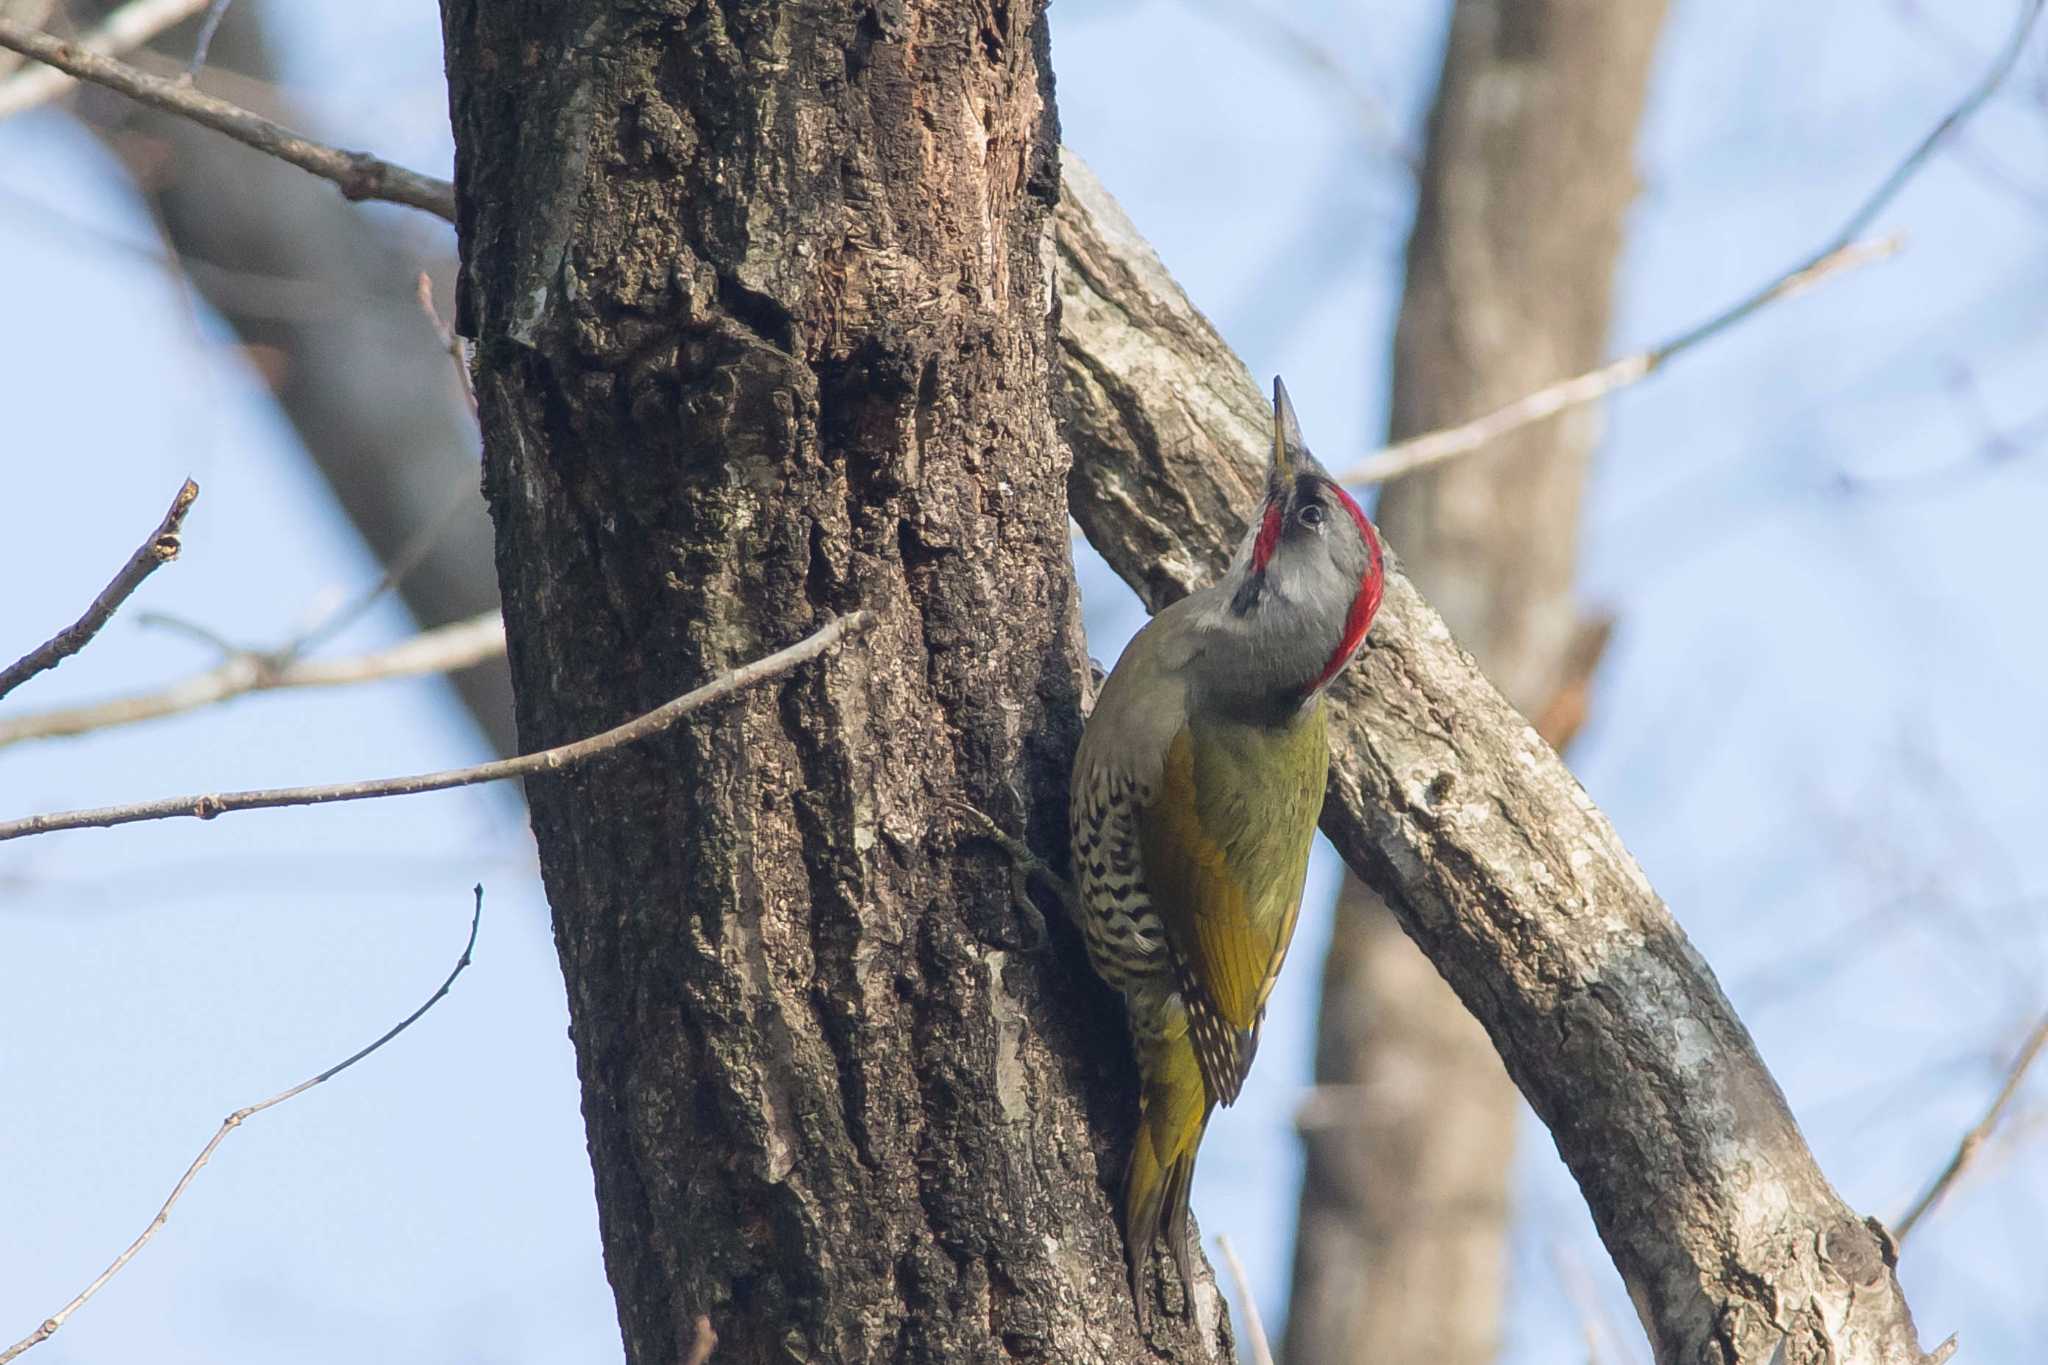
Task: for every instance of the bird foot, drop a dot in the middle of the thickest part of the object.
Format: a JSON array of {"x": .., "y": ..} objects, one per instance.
[{"x": 1025, "y": 867}]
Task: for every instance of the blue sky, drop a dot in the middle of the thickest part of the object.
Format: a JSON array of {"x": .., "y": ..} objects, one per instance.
[{"x": 1819, "y": 726}]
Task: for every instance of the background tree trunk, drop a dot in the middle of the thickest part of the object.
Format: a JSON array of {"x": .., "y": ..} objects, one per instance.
[
  {"x": 763, "y": 300},
  {"x": 325, "y": 293},
  {"x": 1528, "y": 173}
]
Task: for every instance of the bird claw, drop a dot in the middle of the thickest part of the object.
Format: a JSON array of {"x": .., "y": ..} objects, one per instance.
[{"x": 1024, "y": 865}]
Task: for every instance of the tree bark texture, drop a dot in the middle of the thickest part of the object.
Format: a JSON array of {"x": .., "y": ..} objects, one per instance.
[
  {"x": 1527, "y": 176},
  {"x": 327, "y": 292},
  {"x": 1446, "y": 802},
  {"x": 763, "y": 299}
]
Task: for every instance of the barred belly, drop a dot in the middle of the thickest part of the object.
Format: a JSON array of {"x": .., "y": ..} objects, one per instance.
[{"x": 1126, "y": 941}]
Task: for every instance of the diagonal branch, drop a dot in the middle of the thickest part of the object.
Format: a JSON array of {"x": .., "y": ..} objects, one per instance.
[
  {"x": 1448, "y": 804},
  {"x": 1448, "y": 443},
  {"x": 160, "y": 549},
  {"x": 558, "y": 759},
  {"x": 1841, "y": 252},
  {"x": 358, "y": 174},
  {"x": 56, "y": 1320}
]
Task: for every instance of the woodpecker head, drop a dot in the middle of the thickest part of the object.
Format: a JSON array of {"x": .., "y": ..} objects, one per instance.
[{"x": 1302, "y": 589}]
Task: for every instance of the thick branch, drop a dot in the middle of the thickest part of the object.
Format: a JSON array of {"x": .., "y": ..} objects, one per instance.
[
  {"x": 160, "y": 549},
  {"x": 358, "y": 174},
  {"x": 1448, "y": 804}
]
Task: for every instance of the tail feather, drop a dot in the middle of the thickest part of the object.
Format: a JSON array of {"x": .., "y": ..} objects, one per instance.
[{"x": 1173, "y": 1112}]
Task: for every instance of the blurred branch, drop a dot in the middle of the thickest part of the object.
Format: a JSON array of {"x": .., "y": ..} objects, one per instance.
[
  {"x": 703, "y": 1342},
  {"x": 1974, "y": 1140},
  {"x": 35, "y": 12},
  {"x": 228, "y": 1125},
  {"x": 444, "y": 650},
  {"x": 557, "y": 759},
  {"x": 397, "y": 567},
  {"x": 1254, "y": 1326},
  {"x": 126, "y": 29},
  {"x": 358, "y": 174},
  {"x": 330, "y": 291},
  {"x": 1841, "y": 252},
  {"x": 1273, "y": 30},
  {"x": 216, "y": 11},
  {"x": 451, "y": 340},
  {"x": 160, "y": 549},
  {"x": 1559, "y": 719}
]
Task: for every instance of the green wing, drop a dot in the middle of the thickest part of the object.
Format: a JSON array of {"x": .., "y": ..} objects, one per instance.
[{"x": 1226, "y": 851}]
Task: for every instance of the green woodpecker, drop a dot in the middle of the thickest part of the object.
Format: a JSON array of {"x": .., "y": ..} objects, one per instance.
[{"x": 1195, "y": 798}]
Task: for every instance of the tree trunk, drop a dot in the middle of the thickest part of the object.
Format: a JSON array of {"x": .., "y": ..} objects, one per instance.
[
  {"x": 326, "y": 291},
  {"x": 1442, "y": 798},
  {"x": 763, "y": 302},
  {"x": 1529, "y": 171}
]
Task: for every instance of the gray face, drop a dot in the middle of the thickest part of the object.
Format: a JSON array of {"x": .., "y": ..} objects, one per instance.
[{"x": 1289, "y": 603}]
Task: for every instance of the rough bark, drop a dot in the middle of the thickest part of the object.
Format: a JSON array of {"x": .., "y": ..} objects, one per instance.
[
  {"x": 1447, "y": 803},
  {"x": 1528, "y": 172},
  {"x": 763, "y": 301},
  {"x": 325, "y": 292}
]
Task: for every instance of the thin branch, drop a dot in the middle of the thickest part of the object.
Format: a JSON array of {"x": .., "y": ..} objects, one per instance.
[
  {"x": 451, "y": 341},
  {"x": 160, "y": 549},
  {"x": 216, "y": 11},
  {"x": 1974, "y": 1140},
  {"x": 397, "y": 569},
  {"x": 358, "y": 174},
  {"x": 1254, "y": 1326},
  {"x": 228, "y": 1125},
  {"x": 1448, "y": 443},
  {"x": 1841, "y": 252},
  {"x": 124, "y": 30},
  {"x": 554, "y": 760},
  {"x": 445, "y": 649}
]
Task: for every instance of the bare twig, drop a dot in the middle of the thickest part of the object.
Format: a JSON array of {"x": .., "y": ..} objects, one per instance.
[
  {"x": 1254, "y": 1326},
  {"x": 1974, "y": 1140},
  {"x": 445, "y": 649},
  {"x": 124, "y": 30},
  {"x": 1448, "y": 443},
  {"x": 160, "y": 549},
  {"x": 1841, "y": 252},
  {"x": 397, "y": 569},
  {"x": 228, "y": 1125},
  {"x": 450, "y": 340},
  {"x": 216, "y": 11},
  {"x": 553, "y": 760},
  {"x": 358, "y": 174}
]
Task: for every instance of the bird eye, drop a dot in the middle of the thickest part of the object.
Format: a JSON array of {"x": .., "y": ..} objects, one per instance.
[{"x": 1311, "y": 514}]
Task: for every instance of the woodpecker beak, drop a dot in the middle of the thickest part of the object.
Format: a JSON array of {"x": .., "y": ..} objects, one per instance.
[{"x": 1290, "y": 452}]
